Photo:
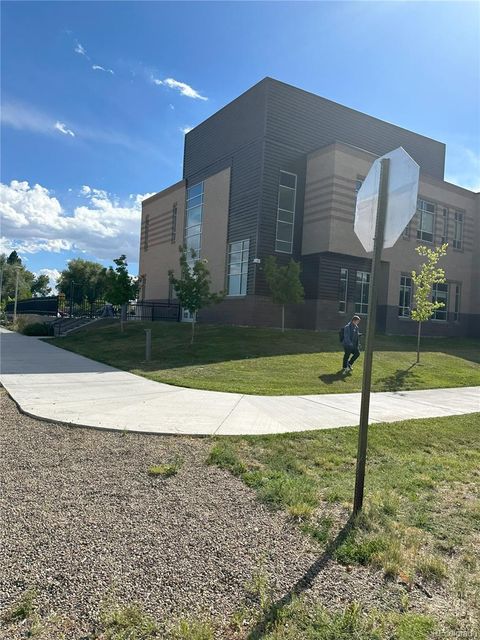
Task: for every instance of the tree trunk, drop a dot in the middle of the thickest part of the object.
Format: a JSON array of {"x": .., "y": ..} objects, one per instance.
[
  {"x": 283, "y": 318},
  {"x": 418, "y": 342},
  {"x": 193, "y": 328}
]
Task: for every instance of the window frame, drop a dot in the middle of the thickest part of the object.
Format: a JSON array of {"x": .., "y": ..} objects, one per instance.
[
  {"x": 284, "y": 222},
  {"x": 421, "y": 211},
  {"x": 457, "y": 301},
  {"x": 186, "y": 236},
  {"x": 403, "y": 286},
  {"x": 444, "y": 236},
  {"x": 458, "y": 223},
  {"x": 244, "y": 264},
  {"x": 343, "y": 281},
  {"x": 443, "y": 310},
  {"x": 359, "y": 305}
]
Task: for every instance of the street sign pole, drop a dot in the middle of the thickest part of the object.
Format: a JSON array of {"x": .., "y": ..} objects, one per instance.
[{"x": 370, "y": 333}]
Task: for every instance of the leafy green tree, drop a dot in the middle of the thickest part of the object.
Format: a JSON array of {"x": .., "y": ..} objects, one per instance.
[
  {"x": 193, "y": 286},
  {"x": 83, "y": 279},
  {"x": 14, "y": 258},
  {"x": 41, "y": 286},
  {"x": 8, "y": 268},
  {"x": 284, "y": 283},
  {"x": 424, "y": 280}
]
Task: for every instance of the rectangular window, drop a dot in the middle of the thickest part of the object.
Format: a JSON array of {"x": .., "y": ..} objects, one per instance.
[
  {"x": 456, "y": 312},
  {"x": 362, "y": 291},
  {"x": 145, "y": 232},
  {"x": 426, "y": 220},
  {"x": 287, "y": 193},
  {"x": 440, "y": 294},
  {"x": 405, "y": 298},
  {"x": 342, "y": 294},
  {"x": 238, "y": 253},
  {"x": 444, "y": 225},
  {"x": 173, "y": 236},
  {"x": 458, "y": 230},
  {"x": 193, "y": 221}
]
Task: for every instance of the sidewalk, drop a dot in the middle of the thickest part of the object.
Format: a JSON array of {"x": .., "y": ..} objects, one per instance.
[{"x": 54, "y": 384}]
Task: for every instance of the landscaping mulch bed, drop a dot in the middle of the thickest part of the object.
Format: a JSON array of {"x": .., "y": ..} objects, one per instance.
[{"x": 83, "y": 523}]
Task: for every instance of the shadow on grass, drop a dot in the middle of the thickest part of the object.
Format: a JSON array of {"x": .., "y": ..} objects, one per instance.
[
  {"x": 272, "y": 614},
  {"x": 399, "y": 380},
  {"x": 330, "y": 378}
]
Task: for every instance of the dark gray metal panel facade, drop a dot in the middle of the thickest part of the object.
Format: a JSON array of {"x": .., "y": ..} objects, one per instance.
[
  {"x": 272, "y": 127},
  {"x": 305, "y": 122}
]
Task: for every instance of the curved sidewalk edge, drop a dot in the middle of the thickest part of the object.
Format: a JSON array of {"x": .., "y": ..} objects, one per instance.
[{"x": 57, "y": 385}]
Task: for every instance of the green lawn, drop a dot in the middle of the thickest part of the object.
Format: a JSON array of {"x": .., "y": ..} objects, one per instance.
[
  {"x": 267, "y": 362},
  {"x": 421, "y": 521}
]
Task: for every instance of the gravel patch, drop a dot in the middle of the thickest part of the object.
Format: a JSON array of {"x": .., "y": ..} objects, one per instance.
[{"x": 83, "y": 521}]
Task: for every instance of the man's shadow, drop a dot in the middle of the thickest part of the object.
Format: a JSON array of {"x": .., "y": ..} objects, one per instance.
[
  {"x": 305, "y": 582},
  {"x": 330, "y": 378}
]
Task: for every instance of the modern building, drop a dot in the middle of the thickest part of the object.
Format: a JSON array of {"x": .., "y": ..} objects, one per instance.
[{"x": 276, "y": 172}]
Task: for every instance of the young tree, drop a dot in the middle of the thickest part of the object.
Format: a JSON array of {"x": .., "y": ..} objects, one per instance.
[
  {"x": 284, "y": 283},
  {"x": 193, "y": 286},
  {"x": 424, "y": 280},
  {"x": 121, "y": 286}
]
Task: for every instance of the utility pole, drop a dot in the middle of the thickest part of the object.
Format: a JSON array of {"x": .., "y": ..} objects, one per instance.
[
  {"x": 17, "y": 269},
  {"x": 370, "y": 334}
]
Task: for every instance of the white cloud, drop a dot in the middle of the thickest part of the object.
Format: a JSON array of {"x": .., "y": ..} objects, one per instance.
[
  {"x": 62, "y": 127},
  {"x": 171, "y": 107},
  {"x": 28, "y": 118},
  {"x": 182, "y": 87},
  {"x": 185, "y": 130},
  {"x": 97, "y": 67},
  {"x": 33, "y": 220},
  {"x": 81, "y": 50}
]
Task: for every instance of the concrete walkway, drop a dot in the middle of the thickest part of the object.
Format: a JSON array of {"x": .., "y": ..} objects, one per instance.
[{"x": 54, "y": 384}]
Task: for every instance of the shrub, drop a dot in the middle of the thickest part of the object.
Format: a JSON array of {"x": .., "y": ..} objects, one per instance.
[{"x": 38, "y": 329}]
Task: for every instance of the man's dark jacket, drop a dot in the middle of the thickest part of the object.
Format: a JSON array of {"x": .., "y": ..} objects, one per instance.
[{"x": 350, "y": 336}]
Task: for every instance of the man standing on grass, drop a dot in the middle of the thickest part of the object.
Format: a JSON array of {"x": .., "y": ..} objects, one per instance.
[{"x": 350, "y": 344}]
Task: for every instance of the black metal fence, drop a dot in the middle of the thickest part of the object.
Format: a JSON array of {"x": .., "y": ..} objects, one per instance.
[
  {"x": 59, "y": 306},
  {"x": 47, "y": 306},
  {"x": 145, "y": 311}
]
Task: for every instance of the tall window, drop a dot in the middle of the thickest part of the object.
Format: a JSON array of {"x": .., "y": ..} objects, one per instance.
[
  {"x": 238, "y": 267},
  {"x": 173, "y": 236},
  {"x": 405, "y": 299},
  {"x": 287, "y": 191},
  {"x": 456, "y": 312},
  {"x": 426, "y": 220},
  {"x": 361, "y": 293},
  {"x": 440, "y": 294},
  {"x": 193, "y": 220},
  {"x": 342, "y": 293},
  {"x": 458, "y": 230},
  {"x": 445, "y": 225},
  {"x": 145, "y": 232}
]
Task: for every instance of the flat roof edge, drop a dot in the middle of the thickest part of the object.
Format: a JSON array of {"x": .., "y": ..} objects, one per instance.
[{"x": 164, "y": 192}]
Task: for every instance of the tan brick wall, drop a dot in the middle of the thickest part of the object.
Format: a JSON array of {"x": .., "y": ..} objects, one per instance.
[
  {"x": 158, "y": 253},
  {"x": 215, "y": 224}
]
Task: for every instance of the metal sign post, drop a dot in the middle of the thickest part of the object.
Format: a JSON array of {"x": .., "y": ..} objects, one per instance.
[{"x": 370, "y": 334}]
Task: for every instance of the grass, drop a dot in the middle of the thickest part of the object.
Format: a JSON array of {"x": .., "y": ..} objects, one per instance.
[
  {"x": 165, "y": 470},
  {"x": 267, "y": 362},
  {"x": 422, "y": 511}
]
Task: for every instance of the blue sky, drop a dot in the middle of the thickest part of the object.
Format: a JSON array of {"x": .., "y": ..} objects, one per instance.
[{"x": 96, "y": 97}]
